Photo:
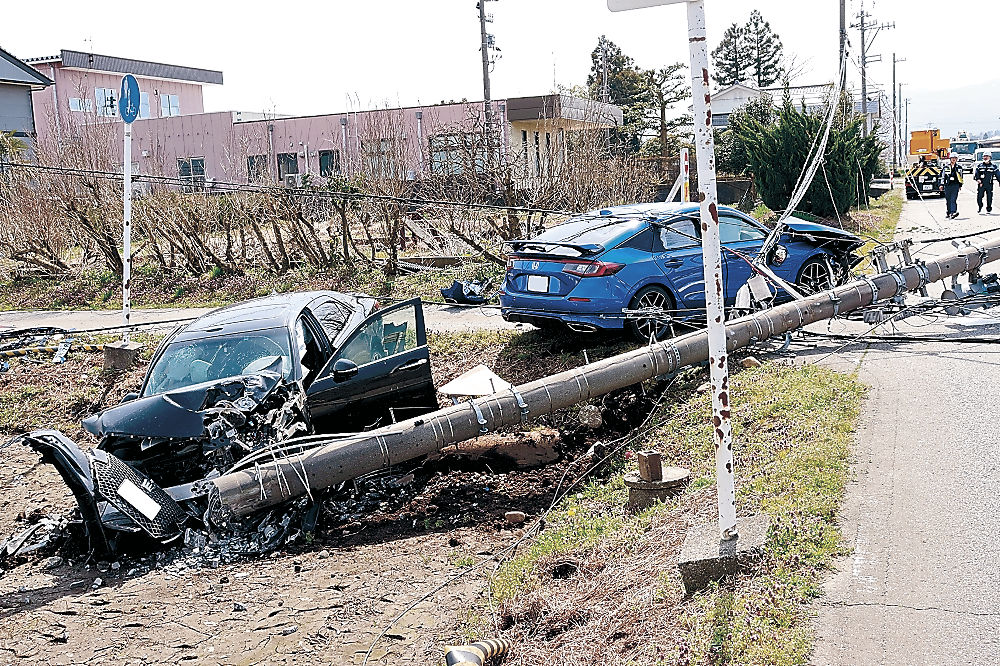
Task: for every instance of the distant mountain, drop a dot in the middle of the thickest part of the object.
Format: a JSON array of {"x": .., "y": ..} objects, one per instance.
[{"x": 975, "y": 109}]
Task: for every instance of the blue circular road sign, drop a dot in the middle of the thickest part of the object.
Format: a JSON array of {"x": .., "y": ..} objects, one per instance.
[{"x": 128, "y": 101}]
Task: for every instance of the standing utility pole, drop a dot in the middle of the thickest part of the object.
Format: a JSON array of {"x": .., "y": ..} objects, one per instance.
[
  {"x": 906, "y": 132},
  {"x": 899, "y": 129},
  {"x": 865, "y": 26},
  {"x": 895, "y": 113},
  {"x": 486, "y": 43},
  {"x": 843, "y": 43}
]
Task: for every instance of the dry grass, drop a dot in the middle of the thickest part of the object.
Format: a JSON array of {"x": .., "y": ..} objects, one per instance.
[{"x": 600, "y": 586}]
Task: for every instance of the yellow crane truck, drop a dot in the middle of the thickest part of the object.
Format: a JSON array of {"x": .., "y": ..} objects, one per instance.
[{"x": 928, "y": 151}]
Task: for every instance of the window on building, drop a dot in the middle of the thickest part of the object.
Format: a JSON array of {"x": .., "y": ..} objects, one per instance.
[
  {"x": 169, "y": 105},
  {"x": 257, "y": 168},
  {"x": 524, "y": 147},
  {"x": 538, "y": 156},
  {"x": 191, "y": 170},
  {"x": 329, "y": 163},
  {"x": 143, "y": 105},
  {"x": 453, "y": 154},
  {"x": 81, "y": 105},
  {"x": 381, "y": 158},
  {"x": 107, "y": 102},
  {"x": 288, "y": 164},
  {"x": 548, "y": 151}
]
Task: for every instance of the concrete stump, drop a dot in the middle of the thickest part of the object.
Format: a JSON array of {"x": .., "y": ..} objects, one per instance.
[
  {"x": 705, "y": 557},
  {"x": 121, "y": 355},
  {"x": 643, "y": 493}
]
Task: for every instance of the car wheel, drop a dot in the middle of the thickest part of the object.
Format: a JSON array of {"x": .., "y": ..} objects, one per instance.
[
  {"x": 815, "y": 276},
  {"x": 650, "y": 298}
]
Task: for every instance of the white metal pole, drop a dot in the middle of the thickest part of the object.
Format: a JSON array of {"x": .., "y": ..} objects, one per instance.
[
  {"x": 712, "y": 258},
  {"x": 127, "y": 234},
  {"x": 686, "y": 172}
]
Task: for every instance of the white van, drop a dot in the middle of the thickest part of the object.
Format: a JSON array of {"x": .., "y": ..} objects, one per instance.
[{"x": 994, "y": 155}]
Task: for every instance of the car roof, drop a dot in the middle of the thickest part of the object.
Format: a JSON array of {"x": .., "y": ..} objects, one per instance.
[
  {"x": 268, "y": 312},
  {"x": 620, "y": 221},
  {"x": 645, "y": 209}
]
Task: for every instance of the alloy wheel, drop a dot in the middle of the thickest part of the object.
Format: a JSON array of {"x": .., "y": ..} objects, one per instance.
[{"x": 815, "y": 276}]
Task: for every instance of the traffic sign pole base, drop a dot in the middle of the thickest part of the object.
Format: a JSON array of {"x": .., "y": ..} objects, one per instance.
[{"x": 705, "y": 557}]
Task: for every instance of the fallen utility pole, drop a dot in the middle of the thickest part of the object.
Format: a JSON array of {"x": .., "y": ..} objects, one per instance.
[{"x": 246, "y": 491}]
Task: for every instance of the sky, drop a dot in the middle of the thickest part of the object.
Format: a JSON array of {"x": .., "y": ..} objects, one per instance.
[{"x": 307, "y": 57}]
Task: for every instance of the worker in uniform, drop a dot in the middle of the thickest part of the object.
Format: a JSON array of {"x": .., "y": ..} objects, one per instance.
[
  {"x": 986, "y": 173},
  {"x": 952, "y": 179}
]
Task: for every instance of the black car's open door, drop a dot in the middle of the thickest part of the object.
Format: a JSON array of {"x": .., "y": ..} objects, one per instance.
[{"x": 382, "y": 368}]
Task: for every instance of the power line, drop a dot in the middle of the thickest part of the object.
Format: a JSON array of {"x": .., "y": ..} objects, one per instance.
[{"x": 274, "y": 189}]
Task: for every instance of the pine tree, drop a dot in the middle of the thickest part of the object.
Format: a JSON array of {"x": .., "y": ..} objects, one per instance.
[
  {"x": 731, "y": 152},
  {"x": 627, "y": 88},
  {"x": 731, "y": 58},
  {"x": 667, "y": 86},
  {"x": 765, "y": 50},
  {"x": 777, "y": 151}
]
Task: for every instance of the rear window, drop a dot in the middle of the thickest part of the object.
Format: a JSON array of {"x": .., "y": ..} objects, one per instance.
[{"x": 603, "y": 232}]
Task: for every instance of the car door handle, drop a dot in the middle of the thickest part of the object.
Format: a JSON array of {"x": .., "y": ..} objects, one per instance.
[
  {"x": 409, "y": 365},
  {"x": 672, "y": 263}
]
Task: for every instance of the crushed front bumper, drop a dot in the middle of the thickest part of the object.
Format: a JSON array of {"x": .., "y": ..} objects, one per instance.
[{"x": 113, "y": 498}]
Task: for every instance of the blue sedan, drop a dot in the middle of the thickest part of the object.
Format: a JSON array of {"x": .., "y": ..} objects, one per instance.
[{"x": 603, "y": 269}]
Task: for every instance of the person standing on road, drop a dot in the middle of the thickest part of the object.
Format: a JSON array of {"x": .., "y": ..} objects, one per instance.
[
  {"x": 952, "y": 179},
  {"x": 986, "y": 173}
]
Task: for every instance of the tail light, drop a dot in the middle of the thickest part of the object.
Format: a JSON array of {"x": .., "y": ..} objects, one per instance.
[
  {"x": 592, "y": 268},
  {"x": 510, "y": 261}
]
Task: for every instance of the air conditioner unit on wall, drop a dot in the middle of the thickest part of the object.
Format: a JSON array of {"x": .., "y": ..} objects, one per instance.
[{"x": 293, "y": 180}]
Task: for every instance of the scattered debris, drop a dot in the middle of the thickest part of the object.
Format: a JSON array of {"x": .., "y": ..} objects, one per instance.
[
  {"x": 590, "y": 417},
  {"x": 467, "y": 292},
  {"x": 750, "y": 362},
  {"x": 478, "y": 381}
]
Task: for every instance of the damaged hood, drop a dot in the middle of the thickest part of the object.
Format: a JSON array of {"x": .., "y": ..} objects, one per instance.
[
  {"x": 821, "y": 232},
  {"x": 180, "y": 414}
]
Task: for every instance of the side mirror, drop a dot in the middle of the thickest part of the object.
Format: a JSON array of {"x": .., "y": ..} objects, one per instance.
[
  {"x": 344, "y": 369},
  {"x": 129, "y": 397}
]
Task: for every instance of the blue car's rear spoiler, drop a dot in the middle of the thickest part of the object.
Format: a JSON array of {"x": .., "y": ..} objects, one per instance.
[{"x": 522, "y": 245}]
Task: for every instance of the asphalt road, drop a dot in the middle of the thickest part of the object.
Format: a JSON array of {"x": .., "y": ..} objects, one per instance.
[
  {"x": 439, "y": 318},
  {"x": 921, "y": 584}
]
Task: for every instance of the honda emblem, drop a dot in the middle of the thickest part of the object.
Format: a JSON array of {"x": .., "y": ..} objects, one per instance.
[{"x": 534, "y": 265}]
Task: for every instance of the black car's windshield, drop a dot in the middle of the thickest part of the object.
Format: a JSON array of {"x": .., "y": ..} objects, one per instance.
[{"x": 195, "y": 361}]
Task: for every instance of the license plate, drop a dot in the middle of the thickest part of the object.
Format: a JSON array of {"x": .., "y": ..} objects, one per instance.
[
  {"x": 928, "y": 188},
  {"x": 538, "y": 284}
]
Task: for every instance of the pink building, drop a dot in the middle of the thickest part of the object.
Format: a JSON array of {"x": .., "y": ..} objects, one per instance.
[
  {"x": 87, "y": 85},
  {"x": 174, "y": 137}
]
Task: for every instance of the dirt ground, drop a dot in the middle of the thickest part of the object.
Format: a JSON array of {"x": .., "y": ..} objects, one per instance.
[{"x": 321, "y": 602}]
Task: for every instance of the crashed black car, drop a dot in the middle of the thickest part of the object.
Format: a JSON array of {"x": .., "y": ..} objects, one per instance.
[{"x": 241, "y": 385}]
